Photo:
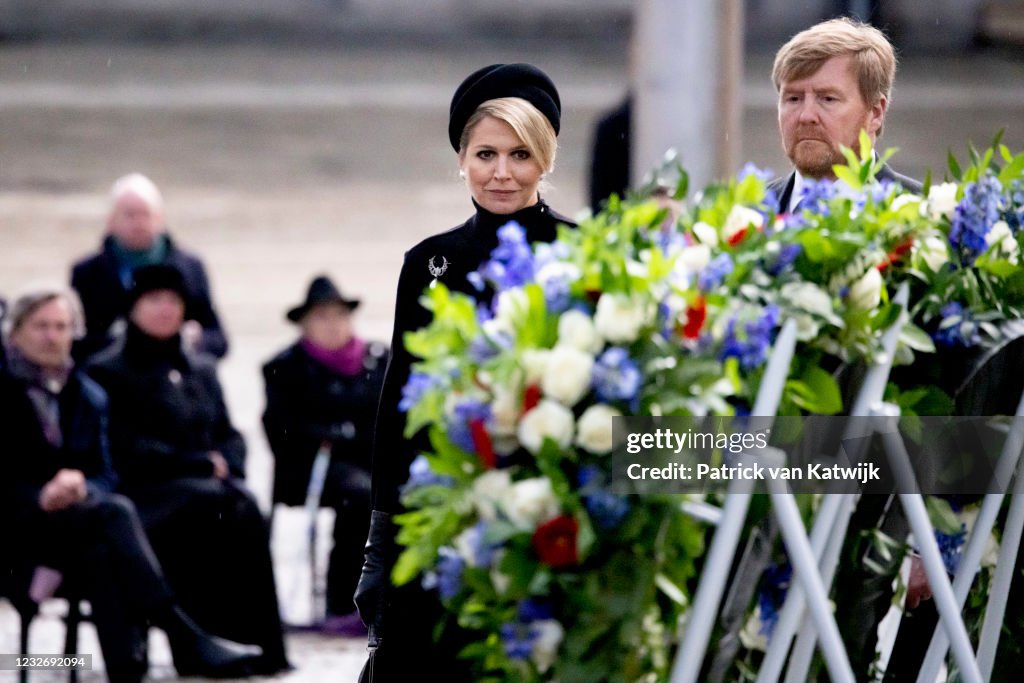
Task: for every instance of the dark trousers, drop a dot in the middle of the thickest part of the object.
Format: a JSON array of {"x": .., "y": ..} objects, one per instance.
[
  {"x": 347, "y": 491},
  {"x": 213, "y": 542},
  {"x": 100, "y": 546}
]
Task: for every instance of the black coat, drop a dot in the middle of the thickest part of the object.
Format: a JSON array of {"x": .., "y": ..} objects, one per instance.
[
  {"x": 783, "y": 187},
  {"x": 167, "y": 411},
  {"x": 28, "y": 461},
  {"x": 105, "y": 299},
  {"x": 457, "y": 253},
  {"x": 307, "y": 404}
]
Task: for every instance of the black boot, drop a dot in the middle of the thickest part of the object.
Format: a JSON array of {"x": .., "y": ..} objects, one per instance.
[{"x": 197, "y": 653}]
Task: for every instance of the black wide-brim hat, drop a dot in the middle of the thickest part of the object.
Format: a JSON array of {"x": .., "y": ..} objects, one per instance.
[
  {"x": 321, "y": 291},
  {"x": 156, "y": 277},
  {"x": 503, "y": 80}
]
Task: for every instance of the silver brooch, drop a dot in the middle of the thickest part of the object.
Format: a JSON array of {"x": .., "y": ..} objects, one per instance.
[{"x": 437, "y": 271}]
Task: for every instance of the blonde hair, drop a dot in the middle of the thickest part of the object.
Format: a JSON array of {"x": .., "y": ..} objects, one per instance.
[
  {"x": 529, "y": 124},
  {"x": 140, "y": 185},
  {"x": 874, "y": 60},
  {"x": 30, "y": 301}
]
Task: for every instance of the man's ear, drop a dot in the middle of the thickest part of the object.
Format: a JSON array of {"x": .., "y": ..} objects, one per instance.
[{"x": 877, "y": 116}]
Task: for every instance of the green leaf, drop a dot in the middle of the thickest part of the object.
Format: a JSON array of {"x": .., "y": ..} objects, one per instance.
[
  {"x": 1013, "y": 170},
  {"x": 674, "y": 592},
  {"x": 846, "y": 174},
  {"x": 954, "y": 166},
  {"x": 826, "y": 397},
  {"x": 942, "y": 516},
  {"x": 885, "y": 316},
  {"x": 916, "y": 338}
]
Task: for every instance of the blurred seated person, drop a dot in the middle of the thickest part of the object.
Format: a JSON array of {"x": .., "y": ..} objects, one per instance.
[
  {"x": 323, "y": 391},
  {"x": 57, "y": 508},
  {"x": 137, "y": 236},
  {"x": 182, "y": 463}
]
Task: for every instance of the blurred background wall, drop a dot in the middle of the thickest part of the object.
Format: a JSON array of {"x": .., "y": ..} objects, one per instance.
[{"x": 294, "y": 137}]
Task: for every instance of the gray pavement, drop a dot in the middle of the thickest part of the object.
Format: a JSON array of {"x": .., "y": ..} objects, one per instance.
[{"x": 280, "y": 162}]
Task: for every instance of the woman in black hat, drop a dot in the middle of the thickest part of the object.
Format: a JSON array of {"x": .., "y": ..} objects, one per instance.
[
  {"x": 182, "y": 463},
  {"x": 503, "y": 124},
  {"x": 322, "y": 391}
]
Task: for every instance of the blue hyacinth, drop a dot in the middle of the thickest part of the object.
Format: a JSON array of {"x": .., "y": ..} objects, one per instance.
[
  {"x": 974, "y": 216},
  {"x": 421, "y": 474},
  {"x": 1015, "y": 212},
  {"x": 483, "y": 550},
  {"x": 414, "y": 389},
  {"x": 958, "y": 329},
  {"x": 459, "y": 423},
  {"x": 715, "y": 272},
  {"x": 751, "y": 342},
  {"x": 784, "y": 259},
  {"x": 533, "y": 609},
  {"x": 484, "y": 347},
  {"x": 771, "y": 595},
  {"x": 815, "y": 195},
  {"x": 751, "y": 169},
  {"x": 511, "y": 263},
  {"x": 605, "y": 508},
  {"x": 517, "y": 640},
  {"x": 615, "y": 376},
  {"x": 447, "y": 577},
  {"x": 951, "y": 546}
]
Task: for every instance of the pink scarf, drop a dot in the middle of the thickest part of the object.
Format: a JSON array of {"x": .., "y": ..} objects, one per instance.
[{"x": 344, "y": 360}]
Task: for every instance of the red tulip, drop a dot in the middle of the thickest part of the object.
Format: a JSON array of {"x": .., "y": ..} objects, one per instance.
[
  {"x": 696, "y": 314},
  {"x": 555, "y": 542},
  {"x": 531, "y": 397},
  {"x": 482, "y": 443}
]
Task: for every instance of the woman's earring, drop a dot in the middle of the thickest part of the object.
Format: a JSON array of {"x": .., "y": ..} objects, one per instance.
[{"x": 462, "y": 174}]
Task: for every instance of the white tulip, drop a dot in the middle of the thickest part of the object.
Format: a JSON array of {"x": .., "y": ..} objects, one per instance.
[
  {"x": 488, "y": 490},
  {"x": 576, "y": 329},
  {"x": 548, "y": 419},
  {"x": 739, "y": 219},
  {"x": 866, "y": 292},
  {"x": 530, "y": 502},
  {"x": 810, "y": 298},
  {"x": 694, "y": 259},
  {"x": 505, "y": 407},
  {"x": 545, "y": 647},
  {"x": 535, "y": 364},
  {"x": 941, "y": 201},
  {"x": 934, "y": 251},
  {"x": 1006, "y": 245},
  {"x": 705, "y": 234},
  {"x": 568, "y": 377},
  {"x": 512, "y": 306},
  {"x": 619, "y": 319},
  {"x": 594, "y": 428}
]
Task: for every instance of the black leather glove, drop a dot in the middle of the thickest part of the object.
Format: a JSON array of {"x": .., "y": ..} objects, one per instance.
[{"x": 379, "y": 555}]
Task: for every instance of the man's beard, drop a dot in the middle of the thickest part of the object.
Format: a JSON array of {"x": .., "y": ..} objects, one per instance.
[{"x": 815, "y": 159}]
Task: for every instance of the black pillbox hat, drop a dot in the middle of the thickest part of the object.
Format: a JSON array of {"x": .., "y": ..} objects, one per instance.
[{"x": 503, "y": 80}]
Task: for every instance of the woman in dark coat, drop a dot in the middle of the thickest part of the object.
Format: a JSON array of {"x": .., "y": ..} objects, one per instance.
[
  {"x": 503, "y": 124},
  {"x": 182, "y": 463},
  {"x": 58, "y": 509},
  {"x": 323, "y": 391}
]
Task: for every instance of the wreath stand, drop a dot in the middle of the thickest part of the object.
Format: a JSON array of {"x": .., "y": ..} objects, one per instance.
[{"x": 815, "y": 556}]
